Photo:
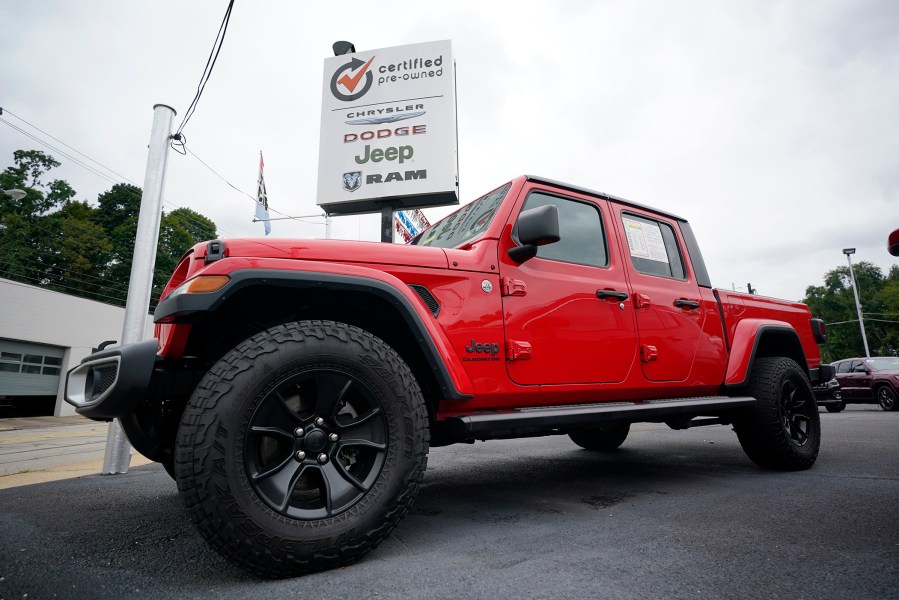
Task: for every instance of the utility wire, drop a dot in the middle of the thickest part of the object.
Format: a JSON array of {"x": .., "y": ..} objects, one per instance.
[
  {"x": 237, "y": 189},
  {"x": 61, "y": 152},
  {"x": 207, "y": 70},
  {"x": 96, "y": 162},
  {"x": 41, "y": 279},
  {"x": 103, "y": 176},
  {"x": 214, "y": 172},
  {"x": 122, "y": 179}
]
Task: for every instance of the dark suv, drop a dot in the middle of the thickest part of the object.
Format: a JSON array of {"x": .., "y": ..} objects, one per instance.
[{"x": 873, "y": 379}]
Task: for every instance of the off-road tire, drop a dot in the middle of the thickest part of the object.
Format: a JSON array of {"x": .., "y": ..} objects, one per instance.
[
  {"x": 169, "y": 466},
  {"x": 285, "y": 516},
  {"x": 886, "y": 398},
  {"x": 783, "y": 431},
  {"x": 835, "y": 408},
  {"x": 604, "y": 439}
]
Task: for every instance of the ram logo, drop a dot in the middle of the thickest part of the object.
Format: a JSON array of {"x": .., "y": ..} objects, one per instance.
[{"x": 352, "y": 181}]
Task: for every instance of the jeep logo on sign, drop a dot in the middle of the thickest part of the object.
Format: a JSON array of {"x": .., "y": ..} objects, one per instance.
[
  {"x": 352, "y": 181},
  {"x": 401, "y": 154}
]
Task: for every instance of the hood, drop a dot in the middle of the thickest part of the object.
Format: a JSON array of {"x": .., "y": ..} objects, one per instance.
[{"x": 333, "y": 250}]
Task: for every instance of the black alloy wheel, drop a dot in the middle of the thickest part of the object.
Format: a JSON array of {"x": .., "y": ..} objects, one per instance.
[
  {"x": 316, "y": 444},
  {"x": 795, "y": 417},
  {"x": 886, "y": 398}
]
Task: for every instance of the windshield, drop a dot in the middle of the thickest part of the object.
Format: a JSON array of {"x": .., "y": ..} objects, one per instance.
[
  {"x": 464, "y": 224},
  {"x": 883, "y": 364}
]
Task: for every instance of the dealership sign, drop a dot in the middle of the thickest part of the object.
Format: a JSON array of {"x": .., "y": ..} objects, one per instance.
[{"x": 388, "y": 133}]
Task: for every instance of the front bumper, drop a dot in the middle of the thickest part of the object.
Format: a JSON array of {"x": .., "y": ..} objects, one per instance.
[{"x": 110, "y": 383}]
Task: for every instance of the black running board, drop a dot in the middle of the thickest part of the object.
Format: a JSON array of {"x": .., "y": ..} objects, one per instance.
[{"x": 549, "y": 420}]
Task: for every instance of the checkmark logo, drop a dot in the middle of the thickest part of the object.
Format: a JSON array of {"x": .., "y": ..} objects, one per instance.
[{"x": 349, "y": 76}]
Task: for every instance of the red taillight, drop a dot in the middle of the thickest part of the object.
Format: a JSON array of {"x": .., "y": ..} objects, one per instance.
[{"x": 819, "y": 331}]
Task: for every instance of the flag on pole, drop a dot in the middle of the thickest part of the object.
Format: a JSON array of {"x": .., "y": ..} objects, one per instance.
[
  {"x": 262, "y": 199},
  {"x": 409, "y": 223}
]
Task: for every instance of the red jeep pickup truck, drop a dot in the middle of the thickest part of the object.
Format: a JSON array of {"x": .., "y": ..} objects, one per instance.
[{"x": 295, "y": 386}]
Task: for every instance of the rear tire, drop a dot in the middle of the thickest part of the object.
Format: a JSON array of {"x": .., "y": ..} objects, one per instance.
[
  {"x": 604, "y": 439},
  {"x": 302, "y": 448},
  {"x": 783, "y": 432}
]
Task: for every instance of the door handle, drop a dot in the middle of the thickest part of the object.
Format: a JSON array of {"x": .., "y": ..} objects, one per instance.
[
  {"x": 682, "y": 303},
  {"x": 603, "y": 294}
]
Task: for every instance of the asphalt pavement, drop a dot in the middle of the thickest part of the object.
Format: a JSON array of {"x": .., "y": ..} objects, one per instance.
[{"x": 672, "y": 514}]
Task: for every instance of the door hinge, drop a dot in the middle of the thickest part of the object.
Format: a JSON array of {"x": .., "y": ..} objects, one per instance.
[
  {"x": 512, "y": 287},
  {"x": 648, "y": 353},
  {"x": 517, "y": 350}
]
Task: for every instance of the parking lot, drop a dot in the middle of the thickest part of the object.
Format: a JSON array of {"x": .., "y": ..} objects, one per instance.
[{"x": 672, "y": 514}]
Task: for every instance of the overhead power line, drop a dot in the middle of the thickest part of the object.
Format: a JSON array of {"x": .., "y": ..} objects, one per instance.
[
  {"x": 61, "y": 152},
  {"x": 98, "y": 163},
  {"x": 117, "y": 178},
  {"x": 207, "y": 70}
]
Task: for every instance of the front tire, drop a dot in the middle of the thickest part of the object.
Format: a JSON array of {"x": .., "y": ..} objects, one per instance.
[
  {"x": 302, "y": 448},
  {"x": 835, "y": 408},
  {"x": 886, "y": 398},
  {"x": 783, "y": 432}
]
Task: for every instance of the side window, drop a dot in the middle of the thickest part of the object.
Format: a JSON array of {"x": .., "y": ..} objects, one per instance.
[
  {"x": 843, "y": 367},
  {"x": 580, "y": 225},
  {"x": 653, "y": 247},
  {"x": 858, "y": 367}
]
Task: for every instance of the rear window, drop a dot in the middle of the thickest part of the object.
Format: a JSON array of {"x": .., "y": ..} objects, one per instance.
[
  {"x": 465, "y": 224},
  {"x": 653, "y": 247}
]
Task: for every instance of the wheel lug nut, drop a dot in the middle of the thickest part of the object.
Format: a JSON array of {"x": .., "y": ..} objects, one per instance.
[
  {"x": 298, "y": 431},
  {"x": 333, "y": 437},
  {"x": 319, "y": 421},
  {"x": 322, "y": 458},
  {"x": 301, "y": 455}
]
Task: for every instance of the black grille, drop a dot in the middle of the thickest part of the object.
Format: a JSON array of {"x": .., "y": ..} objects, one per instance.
[
  {"x": 427, "y": 298},
  {"x": 103, "y": 378}
]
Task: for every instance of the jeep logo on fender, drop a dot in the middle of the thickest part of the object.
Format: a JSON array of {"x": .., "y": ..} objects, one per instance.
[
  {"x": 401, "y": 154},
  {"x": 489, "y": 348},
  {"x": 348, "y": 76}
]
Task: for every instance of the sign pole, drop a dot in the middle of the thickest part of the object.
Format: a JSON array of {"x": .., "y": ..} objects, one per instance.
[
  {"x": 140, "y": 286},
  {"x": 387, "y": 223}
]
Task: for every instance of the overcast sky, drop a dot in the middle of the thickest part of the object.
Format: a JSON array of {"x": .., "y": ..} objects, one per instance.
[{"x": 773, "y": 127}]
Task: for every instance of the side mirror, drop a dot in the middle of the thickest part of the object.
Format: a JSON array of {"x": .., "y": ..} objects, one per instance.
[
  {"x": 536, "y": 227},
  {"x": 893, "y": 243}
]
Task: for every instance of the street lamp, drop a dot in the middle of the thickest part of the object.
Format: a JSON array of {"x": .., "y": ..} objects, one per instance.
[
  {"x": 15, "y": 194},
  {"x": 858, "y": 307}
]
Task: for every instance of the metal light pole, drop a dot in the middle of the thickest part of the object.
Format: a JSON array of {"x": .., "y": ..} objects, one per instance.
[
  {"x": 858, "y": 307},
  {"x": 140, "y": 286}
]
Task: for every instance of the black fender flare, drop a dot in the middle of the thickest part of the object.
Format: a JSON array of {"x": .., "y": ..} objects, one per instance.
[{"x": 183, "y": 308}]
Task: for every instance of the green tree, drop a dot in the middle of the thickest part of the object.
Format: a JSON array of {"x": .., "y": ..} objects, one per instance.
[
  {"x": 51, "y": 240},
  {"x": 834, "y": 302}
]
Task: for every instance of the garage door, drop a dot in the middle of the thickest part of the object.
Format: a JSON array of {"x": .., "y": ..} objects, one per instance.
[{"x": 29, "y": 369}]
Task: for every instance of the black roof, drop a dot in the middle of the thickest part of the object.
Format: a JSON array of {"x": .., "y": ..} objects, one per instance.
[{"x": 588, "y": 192}]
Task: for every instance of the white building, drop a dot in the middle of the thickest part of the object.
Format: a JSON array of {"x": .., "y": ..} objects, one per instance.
[{"x": 43, "y": 334}]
